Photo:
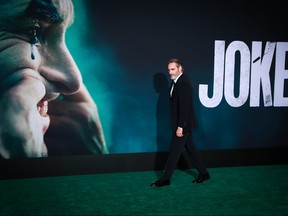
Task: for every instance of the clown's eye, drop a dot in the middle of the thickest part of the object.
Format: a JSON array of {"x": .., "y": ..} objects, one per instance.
[
  {"x": 34, "y": 37},
  {"x": 33, "y": 34}
]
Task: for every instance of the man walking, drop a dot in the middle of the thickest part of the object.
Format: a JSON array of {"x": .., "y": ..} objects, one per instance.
[{"x": 183, "y": 121}]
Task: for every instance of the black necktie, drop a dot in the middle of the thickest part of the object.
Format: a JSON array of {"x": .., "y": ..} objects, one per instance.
[{"x": 171, "y": 88}]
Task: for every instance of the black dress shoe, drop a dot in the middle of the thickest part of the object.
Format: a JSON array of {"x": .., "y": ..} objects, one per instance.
[
  {"x": 160, "y": 183},
  {"x": 202, "y": 178}
]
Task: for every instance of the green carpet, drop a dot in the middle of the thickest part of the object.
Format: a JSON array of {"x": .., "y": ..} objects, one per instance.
[{"x": 251, "y": 190}]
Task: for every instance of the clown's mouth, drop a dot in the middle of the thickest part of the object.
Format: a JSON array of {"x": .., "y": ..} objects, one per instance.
[{"x": 42, "y": 108}]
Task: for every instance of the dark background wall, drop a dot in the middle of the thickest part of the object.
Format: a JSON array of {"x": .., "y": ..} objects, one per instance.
[{"x": 122, "y": 49}]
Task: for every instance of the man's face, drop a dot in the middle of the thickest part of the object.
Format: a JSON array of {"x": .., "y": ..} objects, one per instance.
[
  {"x": 173, "y": 70},
  {"x": 32, "y": 44}
]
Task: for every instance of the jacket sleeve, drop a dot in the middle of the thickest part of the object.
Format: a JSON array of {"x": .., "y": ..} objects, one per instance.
[{"x": 185, "y": 97}]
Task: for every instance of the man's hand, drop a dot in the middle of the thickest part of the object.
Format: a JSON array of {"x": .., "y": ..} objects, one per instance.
[
  {"x": 75, "y": 126},
  {"x": 22, "y": 126},
  {"x": 179, "y": 132}
]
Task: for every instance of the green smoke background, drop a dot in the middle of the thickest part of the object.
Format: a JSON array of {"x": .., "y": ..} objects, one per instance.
[
  {"x": 118, "y": 98},
  {"x": 94, "y": 62}
]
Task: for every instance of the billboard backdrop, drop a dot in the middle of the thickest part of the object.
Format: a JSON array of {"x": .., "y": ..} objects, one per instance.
[{"x": 235, "y": 53}]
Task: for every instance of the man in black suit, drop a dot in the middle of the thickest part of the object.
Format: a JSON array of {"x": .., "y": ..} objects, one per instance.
[{"x": 183, "y": 121}]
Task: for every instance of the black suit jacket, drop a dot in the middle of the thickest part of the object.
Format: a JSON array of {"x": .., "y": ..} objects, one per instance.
[{"x": 181, "y": 104}]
